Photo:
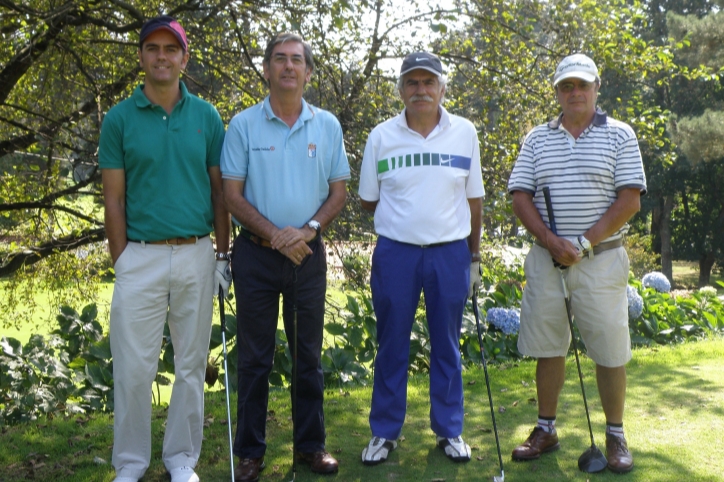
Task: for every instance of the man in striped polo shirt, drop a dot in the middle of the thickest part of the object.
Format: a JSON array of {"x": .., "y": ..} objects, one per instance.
[
  {"x": 421, "y": 177},
  {"x": 592, "y": 165}
]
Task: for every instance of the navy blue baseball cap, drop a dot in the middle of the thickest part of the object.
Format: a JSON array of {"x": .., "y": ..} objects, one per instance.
[
  {"x": 421, "y": 60},
  {"x": 167, "y": 23}
]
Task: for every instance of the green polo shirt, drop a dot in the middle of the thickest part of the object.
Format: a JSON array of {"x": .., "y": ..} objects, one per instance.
[{"x": 166, "y": 159}]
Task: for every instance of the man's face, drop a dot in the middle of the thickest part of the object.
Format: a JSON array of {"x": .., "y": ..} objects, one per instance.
[
  {"x": 577, "y": 97},
  {"x": 421, "y": 92},
  {"x": 162, "y": 58},
  {"x": 287, "y": 70}
]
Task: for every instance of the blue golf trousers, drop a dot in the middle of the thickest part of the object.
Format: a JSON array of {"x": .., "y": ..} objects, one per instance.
[{"x": 400, "y": 272}]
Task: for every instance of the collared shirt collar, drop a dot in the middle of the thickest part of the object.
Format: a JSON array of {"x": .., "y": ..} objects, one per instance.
[
  {"x": 306, "y": 114},
  {"x": 445, "y": 119},
  {"x": 599, "y": 119},
  {"x": 142, "y": 101}
]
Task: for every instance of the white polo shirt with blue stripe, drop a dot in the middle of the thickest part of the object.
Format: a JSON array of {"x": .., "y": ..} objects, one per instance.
[
  {"x": 584, "y": 174},
  {"x": 422, "y": 184},
  {"x": 286, "y": 171}
]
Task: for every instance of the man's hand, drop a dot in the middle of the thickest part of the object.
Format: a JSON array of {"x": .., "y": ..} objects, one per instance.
[
  {"x": 475, "y": 278},
  {"x": 288, "y": 236},
  {"x": 222, "y": 276},
  {"x": 296, "y": 252},
  {"x": 562, "y": 251}
]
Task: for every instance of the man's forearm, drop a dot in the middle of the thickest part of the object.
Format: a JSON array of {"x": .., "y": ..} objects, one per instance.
[
  {"x": 115, "y": 222},
  {"x": 333, "y": 205},
  {"x": 623, "y": 208},
  {"x": 476, "y": 222}
]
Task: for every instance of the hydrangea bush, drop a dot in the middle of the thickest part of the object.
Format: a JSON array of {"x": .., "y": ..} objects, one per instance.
[
  {"x": 635, "y": 303},
  {"x": 657, "y": 281},
  {"x": 506, "y": 320}
]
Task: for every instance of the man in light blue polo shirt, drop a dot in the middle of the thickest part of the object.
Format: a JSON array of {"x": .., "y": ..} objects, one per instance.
[{"x": 284, "y": 169}]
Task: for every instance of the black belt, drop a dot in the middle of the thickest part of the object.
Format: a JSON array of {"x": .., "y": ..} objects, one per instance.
[
  {"x": 599, "y": 248},
  {"x": 254, "y": 238}
]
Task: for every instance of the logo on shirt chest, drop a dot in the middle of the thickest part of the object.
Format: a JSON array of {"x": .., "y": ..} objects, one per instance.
[
  {"x": 312, "y": 150},
  {"x": 267, "y": 149}
]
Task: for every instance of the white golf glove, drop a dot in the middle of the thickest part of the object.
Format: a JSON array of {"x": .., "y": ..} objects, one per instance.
[
  {"x": 222, "y": 276},
  {"x": 475, "y": 278}
]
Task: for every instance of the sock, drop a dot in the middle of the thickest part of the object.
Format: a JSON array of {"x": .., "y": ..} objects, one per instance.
[
  {"x": 615, "y": 429},
  {"x": 548, "y": 424}
]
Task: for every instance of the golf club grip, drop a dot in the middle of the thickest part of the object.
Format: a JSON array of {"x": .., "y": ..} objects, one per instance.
[
  {"x": 221, "y": 310},
  {"x": 549, "y": 208}
]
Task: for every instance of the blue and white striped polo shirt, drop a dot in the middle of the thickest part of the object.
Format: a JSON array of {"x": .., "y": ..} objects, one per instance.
[{"x": 584, "y": 174}]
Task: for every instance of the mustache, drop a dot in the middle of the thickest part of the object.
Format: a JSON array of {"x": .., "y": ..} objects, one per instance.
[{"x": 424, "y": 98}]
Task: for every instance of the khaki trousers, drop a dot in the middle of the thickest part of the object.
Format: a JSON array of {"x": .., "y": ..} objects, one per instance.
[{"x": 153, "y": 283}]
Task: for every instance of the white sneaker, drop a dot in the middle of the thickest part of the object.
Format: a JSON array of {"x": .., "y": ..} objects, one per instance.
[
  {"x": 125, "y": 479},
  {"x": 377, "y": 450},
  {"x": 455, "y": 448},
  {"x": 183, "y": 474}
]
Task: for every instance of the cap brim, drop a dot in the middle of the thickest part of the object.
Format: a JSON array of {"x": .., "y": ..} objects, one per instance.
[
  {"x": 168, "y": 29},
  {"x": 576, "y": 75},
  {"x": 429, "y": 69}
]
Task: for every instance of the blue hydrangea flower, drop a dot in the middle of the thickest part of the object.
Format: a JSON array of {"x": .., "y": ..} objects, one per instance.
[
  {"x": 635, "y": 303},
  {"x": 657, "y": 281},
  {"x": 506, "y": 320}
]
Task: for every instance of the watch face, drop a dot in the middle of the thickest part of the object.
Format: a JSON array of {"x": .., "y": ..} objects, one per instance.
[{"x": 314, "y": 225}]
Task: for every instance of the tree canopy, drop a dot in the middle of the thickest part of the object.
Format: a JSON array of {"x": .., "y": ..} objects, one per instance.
[{"x": 64, "y": 64}]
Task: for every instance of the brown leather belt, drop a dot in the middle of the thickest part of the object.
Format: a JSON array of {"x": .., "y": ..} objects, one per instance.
[
  {"x": 254, "y": 238},
  {"x": 599, "y": 248},
  {"x": 173, "y": 241}
]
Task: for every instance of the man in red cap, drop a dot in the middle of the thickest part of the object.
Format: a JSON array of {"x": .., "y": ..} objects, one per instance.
[{"x": 159, "y": 151}]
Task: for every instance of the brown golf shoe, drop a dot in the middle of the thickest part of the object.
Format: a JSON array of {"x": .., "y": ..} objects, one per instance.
[
  {"x": 539, "y": 442},
  {"x": 320, "y": 462},
  {"x": 619, "y": 458},
  {"x": 248, "y": 470}
]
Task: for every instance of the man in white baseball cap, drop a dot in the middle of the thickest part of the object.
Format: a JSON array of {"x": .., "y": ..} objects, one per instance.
[{"x": 592, "y": 165}]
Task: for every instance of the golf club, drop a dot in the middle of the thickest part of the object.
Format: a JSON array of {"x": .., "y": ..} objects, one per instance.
[
  {"x": 592, "y": 460},
  {"x": 226, "y": 379},
  {"x": 294, "y": 377},
  {"x": 487, "y": 384}
]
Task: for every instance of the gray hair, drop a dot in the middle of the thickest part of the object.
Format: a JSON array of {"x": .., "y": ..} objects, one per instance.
[
  {"x": 280, "y": 38},
  {"x": 441, "y": 79}
]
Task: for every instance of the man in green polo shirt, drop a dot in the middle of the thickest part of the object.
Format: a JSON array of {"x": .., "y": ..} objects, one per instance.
[{"x": 159, "y": 151}]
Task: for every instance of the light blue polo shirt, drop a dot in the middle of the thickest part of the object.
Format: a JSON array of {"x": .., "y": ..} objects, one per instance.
[{"x": 286, "y": 171}]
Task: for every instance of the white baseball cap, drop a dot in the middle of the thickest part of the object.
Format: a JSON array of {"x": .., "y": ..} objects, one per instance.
[{"x": 578, "y": 66}]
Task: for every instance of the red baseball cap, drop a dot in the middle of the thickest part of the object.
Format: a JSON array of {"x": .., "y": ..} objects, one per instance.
[{"x": 167, "y": 23}]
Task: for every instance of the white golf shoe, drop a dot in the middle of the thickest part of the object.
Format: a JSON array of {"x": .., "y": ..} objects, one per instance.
[
  {"x": 377, "y": 450},
  {"x": 455, "y": 448},
  {"x": 183, "y": 474}
]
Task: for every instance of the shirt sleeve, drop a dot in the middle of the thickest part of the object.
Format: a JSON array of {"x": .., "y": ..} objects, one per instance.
[
  {"x": 523, "y": 176},
  {"x": 474, "y": 187},
  {"x": 369, "y": 185},
  {"x": 234, "y": 152},
  {"x": 340, "y": 165},
  {"x": 215, "y": 139},
  {"x": 110, "y": 144},
  {"x": 629, "y": 165}
]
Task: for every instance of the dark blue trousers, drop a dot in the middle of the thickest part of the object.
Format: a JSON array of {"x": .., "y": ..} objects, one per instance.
[
  {"x": 400, "y": 272},
  {"x": 260, "y": 276}
]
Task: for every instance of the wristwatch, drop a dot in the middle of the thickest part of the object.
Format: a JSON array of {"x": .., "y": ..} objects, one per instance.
[
  {"x": 316, "y": 227},
  {"x": 586, "y": 248},
  {"x": 222, "y": 256}
]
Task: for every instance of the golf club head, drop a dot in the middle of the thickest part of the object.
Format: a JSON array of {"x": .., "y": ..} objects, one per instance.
[
  {"x": 500, "y": 478},
  {"x": 592, "y": 460}
]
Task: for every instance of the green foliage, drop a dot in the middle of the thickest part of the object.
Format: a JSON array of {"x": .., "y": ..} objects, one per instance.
[
  {"x": 668, "y": 318},
  {"x": 641, "y": 254},
  {"x": 70, "y": 372}
]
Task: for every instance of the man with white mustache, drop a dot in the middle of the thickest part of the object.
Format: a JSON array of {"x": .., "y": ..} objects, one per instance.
[{"x": 421, "y": 177}]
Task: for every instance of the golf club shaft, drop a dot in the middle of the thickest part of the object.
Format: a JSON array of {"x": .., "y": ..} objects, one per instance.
[
  {"x": 567, "y": 298},
  {"x": 487, "y": 379},
  {"x": 294, "y": 377},
  {"x": 226, "y": 380}
]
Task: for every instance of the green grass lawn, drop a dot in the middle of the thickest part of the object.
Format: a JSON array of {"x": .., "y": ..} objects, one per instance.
[
  {"x": 686, "y": 273},
  {"x": 674, "y": 424}
]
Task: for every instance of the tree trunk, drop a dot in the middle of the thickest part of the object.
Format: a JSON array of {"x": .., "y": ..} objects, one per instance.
[
  {"x": 706, "y": 262},
  {"x": 665, "y": 234}
]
